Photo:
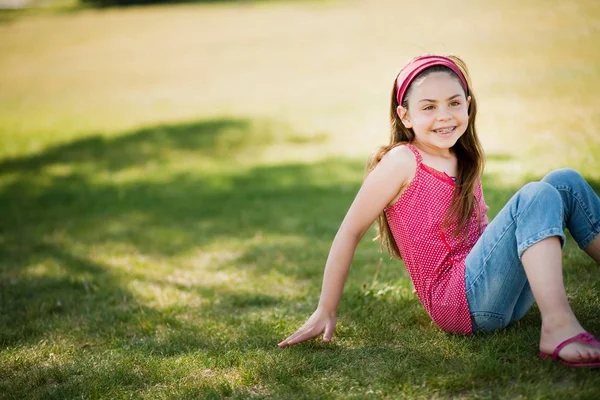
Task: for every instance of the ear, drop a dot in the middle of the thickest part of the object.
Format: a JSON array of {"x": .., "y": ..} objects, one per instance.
[
  {"x": 404, "y": 117},
  {"x": 468, "y": 102}
]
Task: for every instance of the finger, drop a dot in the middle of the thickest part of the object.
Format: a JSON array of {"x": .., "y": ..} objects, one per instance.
[
  {"x": 295, "y": 334},
  {"x": 286, "y": 341},
  {"x": 304, "y": 336},
  {"x": 329, "y": 329}
]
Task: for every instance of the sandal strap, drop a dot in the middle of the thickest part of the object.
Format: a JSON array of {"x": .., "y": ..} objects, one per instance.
[{"x": 583, "y": 337}]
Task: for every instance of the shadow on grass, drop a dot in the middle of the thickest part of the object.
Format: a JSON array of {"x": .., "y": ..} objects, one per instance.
[
  {"x": 216, "y": 137},
  {"x": 57, "y": 225},
  {"x": 63, "y": 208},
  {"x": 58, "y": 286}
]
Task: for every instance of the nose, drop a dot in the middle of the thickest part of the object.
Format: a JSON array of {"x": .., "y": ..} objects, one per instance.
[{"x": 444, "y": 115}]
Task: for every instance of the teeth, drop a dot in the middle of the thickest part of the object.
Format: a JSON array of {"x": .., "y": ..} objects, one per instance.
[{"x": 447, "y": 130}]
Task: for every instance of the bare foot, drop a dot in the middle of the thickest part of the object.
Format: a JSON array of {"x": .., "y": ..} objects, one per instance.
[{"x": 573, "y": 352}]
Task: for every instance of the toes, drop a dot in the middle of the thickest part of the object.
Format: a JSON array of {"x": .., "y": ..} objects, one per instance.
[
  {"x": 589, "y": 354},
  {"x": 585, "y": 355},
  {"x": 581, "y": 353}
]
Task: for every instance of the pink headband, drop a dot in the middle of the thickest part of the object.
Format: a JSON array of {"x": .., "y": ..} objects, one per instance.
[{"x": 415, "y": 67}]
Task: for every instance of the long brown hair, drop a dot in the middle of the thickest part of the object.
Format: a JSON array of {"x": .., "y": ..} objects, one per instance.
[{"x": 469, "y": 154}]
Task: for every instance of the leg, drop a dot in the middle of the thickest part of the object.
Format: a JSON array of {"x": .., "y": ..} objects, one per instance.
[
  {"x": 581, "y": 208},
  {"x": 543, "y": 266},
  {"x": 498, "y": 287}
]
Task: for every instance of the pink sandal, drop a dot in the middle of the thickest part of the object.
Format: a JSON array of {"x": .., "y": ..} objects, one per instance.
[{"x": 581, "y": 338}]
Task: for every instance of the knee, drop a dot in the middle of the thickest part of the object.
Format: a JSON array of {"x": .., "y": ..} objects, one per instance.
[
  {"x": 564, "y": 177},
  {"x": 540, "y": 196},
  {"x": 538, "y": 190}
]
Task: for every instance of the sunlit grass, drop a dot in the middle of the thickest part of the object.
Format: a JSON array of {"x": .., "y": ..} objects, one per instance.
[{"x": 171, "y": 178}]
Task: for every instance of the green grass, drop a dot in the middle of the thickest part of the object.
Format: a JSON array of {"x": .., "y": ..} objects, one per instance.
[{"x": 170, "y": 184}]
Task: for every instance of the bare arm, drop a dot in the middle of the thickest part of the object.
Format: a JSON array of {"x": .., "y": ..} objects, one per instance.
[{"x": 379, "y": 189}]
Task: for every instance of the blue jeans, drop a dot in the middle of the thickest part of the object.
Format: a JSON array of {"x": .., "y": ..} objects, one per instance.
[{"x": 498, "y": 292}]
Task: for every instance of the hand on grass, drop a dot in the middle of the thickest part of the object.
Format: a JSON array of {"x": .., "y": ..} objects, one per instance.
[{"x": 318, "y": 322}]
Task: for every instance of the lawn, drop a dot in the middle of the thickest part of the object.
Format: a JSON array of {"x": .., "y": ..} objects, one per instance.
[{"x": 171, "y": 178}]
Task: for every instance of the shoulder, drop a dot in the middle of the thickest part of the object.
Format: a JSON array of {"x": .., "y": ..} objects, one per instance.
[
  {"x": 401, "y": 153},
  {"x": 402, "y": 159},
  {"x": 395, "y": 169}
]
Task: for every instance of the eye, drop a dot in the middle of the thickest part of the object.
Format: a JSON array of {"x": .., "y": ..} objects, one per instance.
[
  {"x": 428, "y": 108},
  {"x": 455, "y": 103}
]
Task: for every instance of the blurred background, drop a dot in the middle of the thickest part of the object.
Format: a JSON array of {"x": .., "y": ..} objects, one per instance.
[{"x": 324, "y": 69}]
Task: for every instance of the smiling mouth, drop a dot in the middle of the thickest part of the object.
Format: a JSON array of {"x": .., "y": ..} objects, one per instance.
[{"x": 445, "y": 131}]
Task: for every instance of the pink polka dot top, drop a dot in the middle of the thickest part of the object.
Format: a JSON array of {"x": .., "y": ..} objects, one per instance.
[{"x": 434, "y": 258}]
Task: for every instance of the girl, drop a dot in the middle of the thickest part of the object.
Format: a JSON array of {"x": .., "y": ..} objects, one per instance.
[{"x": 425, "y": 191}]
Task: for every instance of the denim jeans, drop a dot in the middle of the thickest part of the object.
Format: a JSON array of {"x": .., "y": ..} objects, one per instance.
[{"x": 498, "y": 292}]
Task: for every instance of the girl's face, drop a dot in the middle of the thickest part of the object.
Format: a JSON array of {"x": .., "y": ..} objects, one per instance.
[{"x": 437, "y": 111}]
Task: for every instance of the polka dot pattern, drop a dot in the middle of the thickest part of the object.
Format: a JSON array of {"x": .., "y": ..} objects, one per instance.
[{"x": 434, "y": 258}]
